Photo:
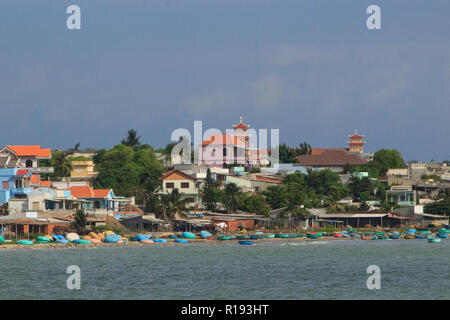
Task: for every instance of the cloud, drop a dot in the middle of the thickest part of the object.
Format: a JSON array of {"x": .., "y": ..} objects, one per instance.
[
  {"x": 288, "y": 54},
  {"x": 267, "y": 91},
  {"x": 217, "y": 98}
]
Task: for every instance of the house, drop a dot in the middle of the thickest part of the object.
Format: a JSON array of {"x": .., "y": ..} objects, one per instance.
[
  {"x": 83, "y": 171},
  {"x": 186, "y": 185},
  {"x": 29, "y": 156},
  {"x": 99, "y": 199},
  {"x": 14, "y": 183},
  {"x": 335, "y": 160}
]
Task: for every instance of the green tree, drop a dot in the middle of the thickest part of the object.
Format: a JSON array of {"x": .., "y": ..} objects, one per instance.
[
  {"x": 129, "y": 172},
  {"x": 61, "y": 164},
  {"x": 172, "y": 204},
  {"x": 360, "y": 188},
  {"x": 286, "y": 154},
  {"x": 276, "y": 197},
  {"x": 132, "y": 139},
  {"x": 209, "y": 192},
  {"x": 385, "y": 159},
  {"x": 304, "y": 148},
  {"x": 231, "y": 194},
  {"x": 80, "y": 220}
]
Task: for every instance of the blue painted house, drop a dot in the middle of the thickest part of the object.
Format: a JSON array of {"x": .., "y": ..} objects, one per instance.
[{"x": 14, "y": 183}]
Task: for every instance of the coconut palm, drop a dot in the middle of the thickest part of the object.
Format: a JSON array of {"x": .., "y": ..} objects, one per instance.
[
  {"x": 61, "y": 164},
  {"x": 80, "y": 220},
  {"x": 172, "y": 204},
  {"x": 132, "y": 139},
  {"x": 231, "y": 197}
]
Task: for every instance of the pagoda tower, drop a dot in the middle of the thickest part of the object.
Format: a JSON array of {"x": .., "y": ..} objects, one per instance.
[{"x": 356, "y": 143}]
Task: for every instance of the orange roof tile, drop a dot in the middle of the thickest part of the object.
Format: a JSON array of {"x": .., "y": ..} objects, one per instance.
[
  {"x": 88, "y": 192},
  {"x": 37, "y": 151},
  {"x": 82, "y": 192},
  {"x": 101, "y": 193},
  {"x": 34, "y": 178}
]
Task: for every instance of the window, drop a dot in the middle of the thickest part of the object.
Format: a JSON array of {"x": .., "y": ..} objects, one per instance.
[
  {"x": 28, "y": 163},
  {"x": 169, "y": 185},
  {"x": 5, "y": 185},
  {"x": 185, "y": 185}
]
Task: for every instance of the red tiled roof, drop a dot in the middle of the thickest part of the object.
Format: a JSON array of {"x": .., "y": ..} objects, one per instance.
[
  {"x": 101, "y": 193},
  {"x": 22, "y": 172},
  {"x": 82, "y": 192},
  {"x": 269, "y": 179},
  {"x": 331, "y": 157},
  {"x": 88, "y": 192},
  {"x": 36, "y": 151},
  {"x": 224, "y": 139},
  {"x": 315, "y": 151},
  {"x": 356, "y": 136},
  {"x": 241, "y": 126}
]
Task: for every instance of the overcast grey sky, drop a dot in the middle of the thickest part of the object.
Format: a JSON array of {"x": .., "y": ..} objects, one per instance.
[{"x": 310, "y": 68}]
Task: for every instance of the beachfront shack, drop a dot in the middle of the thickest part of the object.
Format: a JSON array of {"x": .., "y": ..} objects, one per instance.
[
  {"x": 146, "y": 222},
  {"x": 362, "y": 219},
  {"x": 29, "y": 222}
]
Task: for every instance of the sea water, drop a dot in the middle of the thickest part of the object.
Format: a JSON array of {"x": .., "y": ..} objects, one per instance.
[{"x": 331, "y": 269}]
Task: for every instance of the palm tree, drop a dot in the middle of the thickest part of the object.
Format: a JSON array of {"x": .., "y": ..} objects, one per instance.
[
  {"x": 80, "y": 220},
  {"x": 172, "y": 204},
  {"x": 61, "y": 164},
  {"x": 231, "y": 197},
  {"x": 305, "y": 148},
  {"x": 332, "y": 200},
  {"x": 132, "y": 139}
]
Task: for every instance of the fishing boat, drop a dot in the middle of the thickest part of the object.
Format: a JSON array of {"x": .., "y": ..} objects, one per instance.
[
  {"x": 338, "y": 235},
  {"x": 354, "y": 235},
  {"x": 188, "y": 235},
  {"x": 245, "y": 242},
  {"x": 431, "y": 239},
  {"x": 269, "y": 235},
  {"x": 181, "y": 241},
  {"x": 442, "y": 235},
  {"x": 242, "y": 236},
  {"x": 298, "y": 235},
  {"x": 312, "y": 235},
  {"x": 409, "y": 236},
  {"x": 25, "y": 242},
  {"x": 172, "y": 236},
  {"x": 418, "y": 236},
  {"x": 444, "y": 231},
  {"x": 205, "y": 234},
  {"x": 394, "y": 236},
  {"x": 280, "y": 235},
  {"x": 253, "y": 237},
  {"x": 160, "y": 240},
  {"x": 223, "y": 237}
]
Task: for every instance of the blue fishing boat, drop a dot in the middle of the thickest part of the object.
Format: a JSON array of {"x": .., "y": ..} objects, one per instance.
[
  {"x": 441, "y": 235},
  {"x": 111, "y": 238},
  {"x": 188, "y": 235},
  {"x": 180, "y": 241},
  {"x": 172, "y": 236},
  {"x": 434, "y": 240},
  {"x": 160, "y": 240},
  {"x": 420, "y": 236},
  {"x": 253, "y": 237},
  {"x": 205, "y": 234},
  {"x": 245, "y": 242}
]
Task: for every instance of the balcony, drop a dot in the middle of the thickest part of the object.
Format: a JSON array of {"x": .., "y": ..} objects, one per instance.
[
  {"x": 42, "y": 170},
  {"x": 22, "y": 190}
]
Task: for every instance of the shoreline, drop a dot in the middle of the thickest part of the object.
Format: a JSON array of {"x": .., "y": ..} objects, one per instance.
[{"x": 42, "y": 246}]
